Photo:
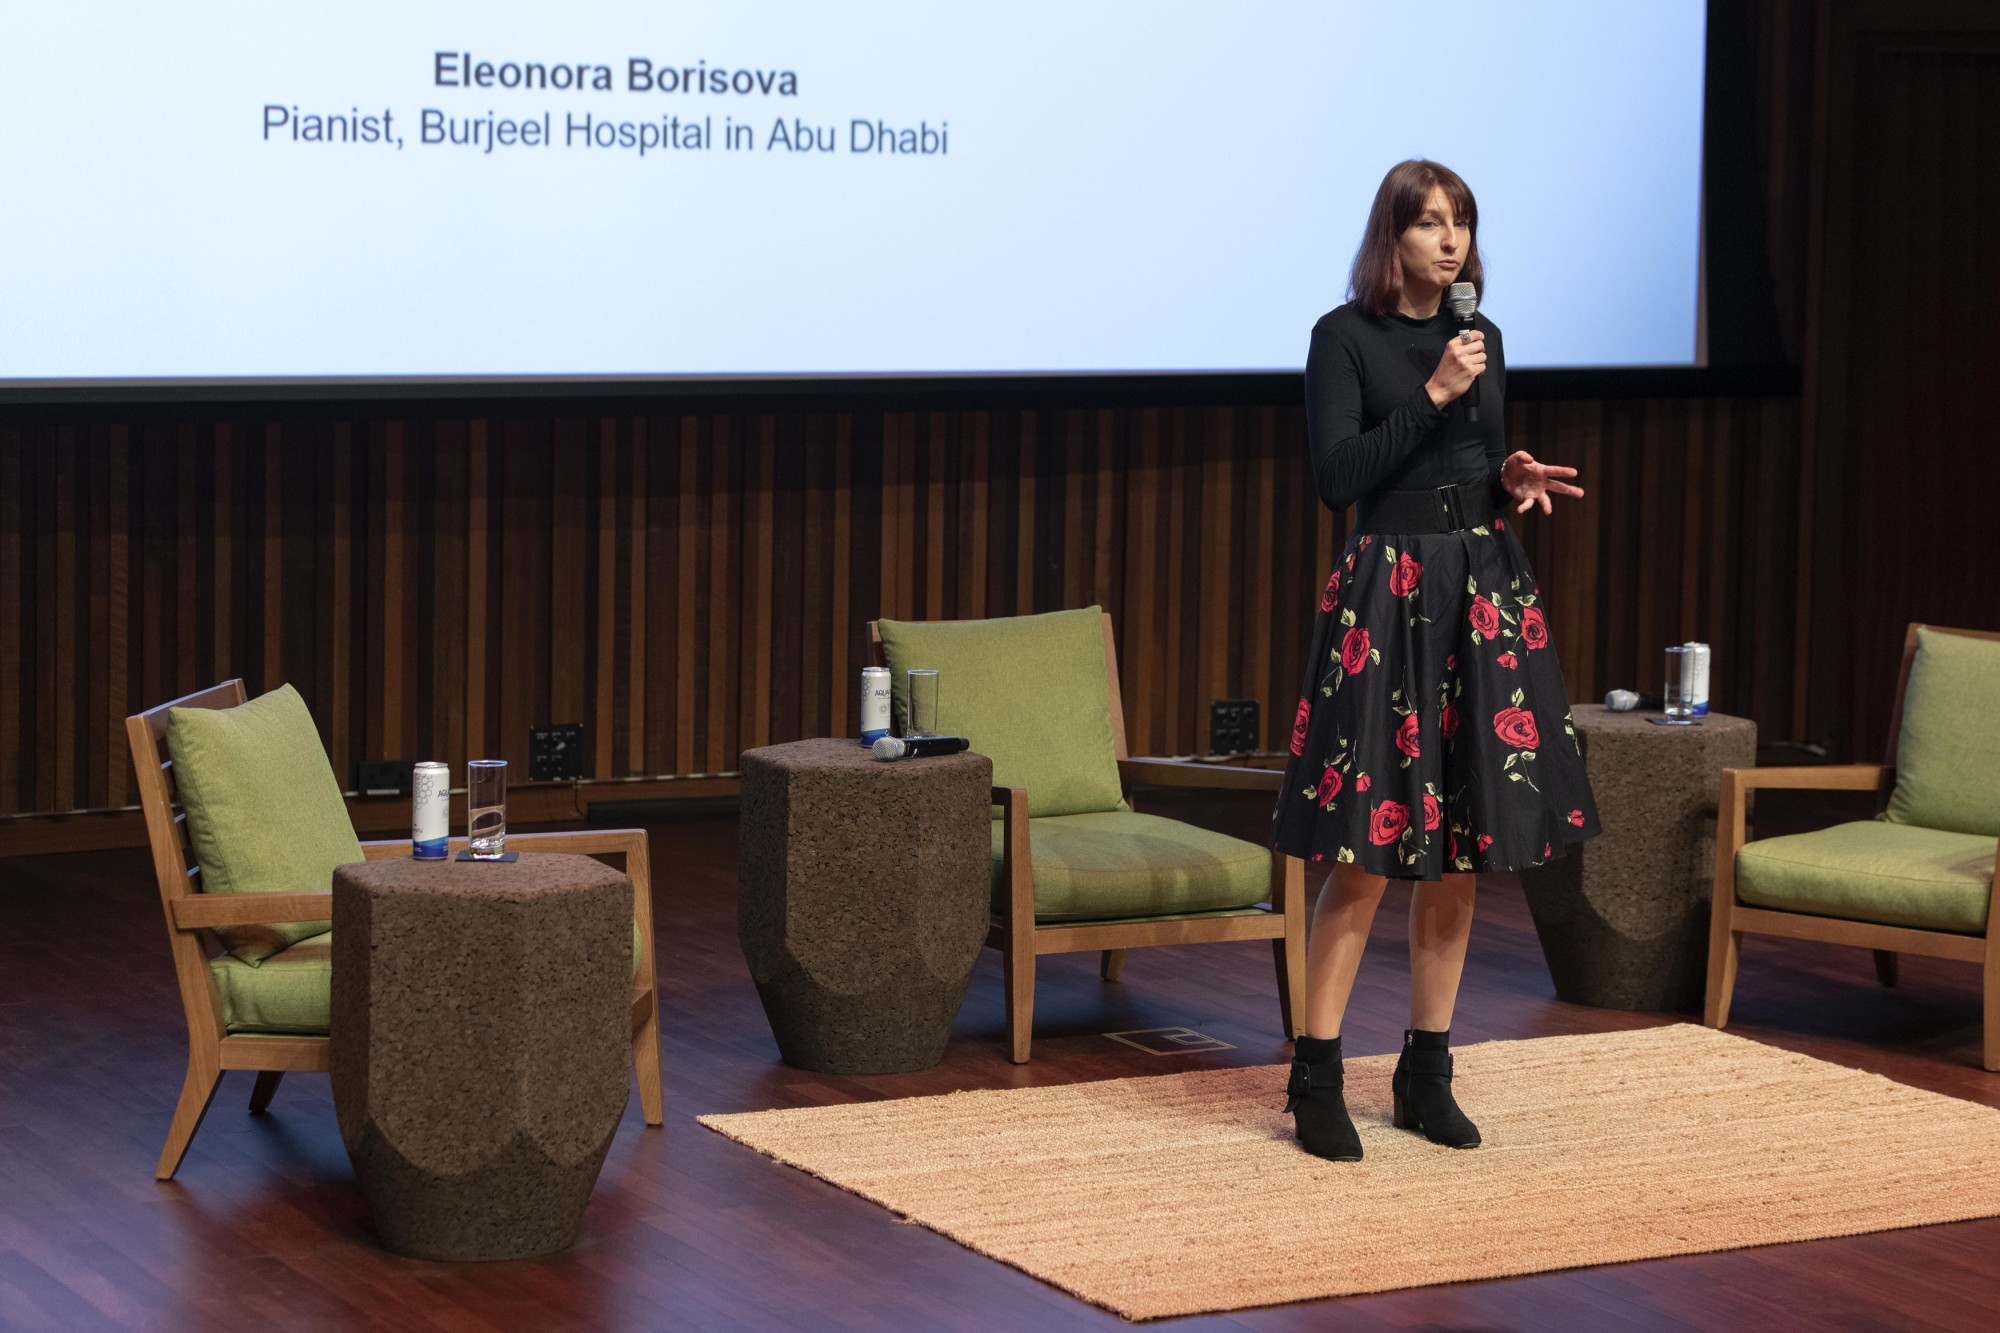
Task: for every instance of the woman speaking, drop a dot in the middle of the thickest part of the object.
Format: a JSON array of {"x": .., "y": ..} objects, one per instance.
[{"x": 1433, "y": 739}]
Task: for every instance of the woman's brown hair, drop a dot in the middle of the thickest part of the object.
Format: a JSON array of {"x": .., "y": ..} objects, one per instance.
[{"x": 1376, "y": 280}]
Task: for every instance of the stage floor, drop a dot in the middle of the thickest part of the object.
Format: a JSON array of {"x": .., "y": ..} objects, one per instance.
[{"x": 689, "y": 1230}]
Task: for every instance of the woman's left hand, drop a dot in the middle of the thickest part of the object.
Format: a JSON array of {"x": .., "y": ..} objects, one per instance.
[{"x": 1531, "y": 482}]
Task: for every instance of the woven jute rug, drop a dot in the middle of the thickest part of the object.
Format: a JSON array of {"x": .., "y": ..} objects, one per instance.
[{"x": 1184, "y": 1193}]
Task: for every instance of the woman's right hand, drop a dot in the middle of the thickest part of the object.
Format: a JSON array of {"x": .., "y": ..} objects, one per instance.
[{"x": 1464, "y": 360}]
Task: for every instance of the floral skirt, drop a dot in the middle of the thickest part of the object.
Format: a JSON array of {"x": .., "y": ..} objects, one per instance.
[{"x": 1434, "y": 733}]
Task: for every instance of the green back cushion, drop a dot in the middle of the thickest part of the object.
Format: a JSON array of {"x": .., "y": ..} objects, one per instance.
[
  {"x": 1948, "y": 755},
  {"x": 1031, "y": 693},
  {"x": 263, "y": 810}
]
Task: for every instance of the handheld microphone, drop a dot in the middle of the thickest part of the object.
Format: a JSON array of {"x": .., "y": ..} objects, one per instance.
[
  {"x": 1464, "y": 298},
  {"x": 919, "y": 747}
]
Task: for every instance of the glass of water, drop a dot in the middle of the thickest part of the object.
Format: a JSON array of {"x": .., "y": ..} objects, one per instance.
[
  {"x": 1679, "y": 706},
  {"x": 486, "y": 806},
  {"x": 923, "y": 716}
]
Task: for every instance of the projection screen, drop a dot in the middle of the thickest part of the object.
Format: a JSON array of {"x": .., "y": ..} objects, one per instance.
[{"x": 224, "y": 193}]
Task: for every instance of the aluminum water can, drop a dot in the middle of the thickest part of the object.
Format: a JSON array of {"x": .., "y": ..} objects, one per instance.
[
  {"x": 430, "y": 812},
  {"x": 874, "y": 704},
  {"x": 1696, "y": 685}
]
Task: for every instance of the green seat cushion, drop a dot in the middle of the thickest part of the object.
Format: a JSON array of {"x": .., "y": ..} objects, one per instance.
[
  {"x": 1031, "y": 693},
  {"x": 291, "y": 991},
  {"x": 1872, "y": 870},
  {"x": 1118, "y": 864},
  {"x": 1948, "y": 752},
  {"x": 264, "y": 812}
]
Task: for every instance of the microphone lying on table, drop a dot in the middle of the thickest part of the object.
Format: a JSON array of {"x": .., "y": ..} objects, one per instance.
[
  {"x": 919, "y": 747},
  {"x": 1625, "y": 701}
]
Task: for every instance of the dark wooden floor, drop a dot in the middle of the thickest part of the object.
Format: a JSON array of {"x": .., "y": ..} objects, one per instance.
[{"x": 262, "y": 1228}]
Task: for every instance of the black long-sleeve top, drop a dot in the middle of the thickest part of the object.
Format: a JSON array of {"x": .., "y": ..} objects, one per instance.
[{"x": 1373, "y": 426}]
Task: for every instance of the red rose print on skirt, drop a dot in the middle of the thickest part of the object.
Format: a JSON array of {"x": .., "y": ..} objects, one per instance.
[
  {"x": 1387, "y": 822},
  {"x": 1418, "y": 646},
  {"x": 1516, "y": 726},
  {"x": 1354, "y": 650},
  {"x": 1403, "y": 578},
  {"x": 1534, "y": 630},
  {"x": 1485, "y": 617}
]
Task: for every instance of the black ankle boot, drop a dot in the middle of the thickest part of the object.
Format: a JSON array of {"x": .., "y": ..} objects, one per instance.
[
  {"x": 1422, "y": 1089},
  {"x": 1323, "y": 1126}
]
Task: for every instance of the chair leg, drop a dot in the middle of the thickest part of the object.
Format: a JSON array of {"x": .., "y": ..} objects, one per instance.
[
  {"x": 1990, "y": 1004},
  {"x": 1113, "y": 963},
  {"x": 267, "y": 1084},
  {"x": 1020, "y": 966},
  {"x": 646, "y": 1065},
  {"x": 1288, "y": 896},
  {"x": 196, "y": 1093},
  {"x": 1725, "y": 942},
  {"x": 1990, "y": 1048},
  {"x": 1724, "y": 947},
  {"x": 1290, "y": 956},
  {"x": 1885, "y": 966},
  {"x": 1015, "y": 926}
]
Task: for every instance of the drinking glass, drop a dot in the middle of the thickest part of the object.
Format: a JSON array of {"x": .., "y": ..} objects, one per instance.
[
  {"x": 486, "y": 807},
  {"x": 923, "y": 719},
  {"x": 1679, "y": 707}
]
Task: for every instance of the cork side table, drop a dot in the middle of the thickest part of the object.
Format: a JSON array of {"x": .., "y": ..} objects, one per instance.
[
  {"x": 479, "y": 1040},
  {"x": 1623, "y": 919},
  {"x": 864, "y": 897}
]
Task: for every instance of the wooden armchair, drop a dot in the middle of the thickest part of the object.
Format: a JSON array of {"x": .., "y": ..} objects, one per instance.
[
  {"x": 192, "y": 917},
  {"x": 1919, "y": 877},
  {"x": 1023, "y": 934}
]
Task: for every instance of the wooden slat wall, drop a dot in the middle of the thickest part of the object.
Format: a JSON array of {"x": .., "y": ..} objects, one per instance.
[
  {"x": 1902, "y": 468},
  {"x": 688, "y": 586}
]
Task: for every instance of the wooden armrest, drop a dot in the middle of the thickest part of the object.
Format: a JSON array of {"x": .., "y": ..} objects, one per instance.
[
  {"x": 1731, "y": 826},
  {"x": 1187, "y": 773},
  {"x": 582, "y": 842},
  {"x": 1830, "y": 777},
  {"x": 250, "y": 909}
]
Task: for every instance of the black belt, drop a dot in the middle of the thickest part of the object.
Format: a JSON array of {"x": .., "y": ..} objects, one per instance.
[{"x": 1415, "y": 513}]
